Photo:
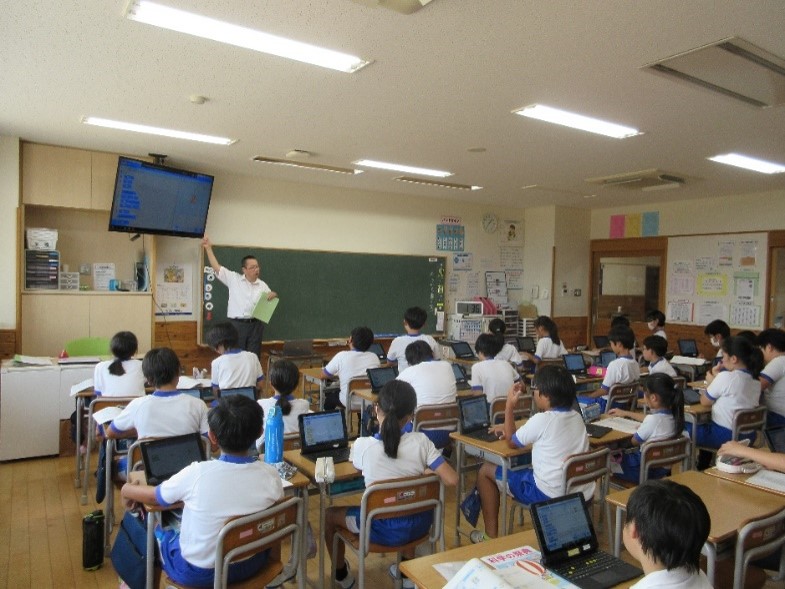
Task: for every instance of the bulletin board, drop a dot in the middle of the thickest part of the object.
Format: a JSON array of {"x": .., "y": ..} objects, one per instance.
[{"x": 717, "y": 277}]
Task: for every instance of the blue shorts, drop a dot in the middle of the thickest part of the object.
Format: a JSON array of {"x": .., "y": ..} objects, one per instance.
[
  {"x": 774, "y": 419},
  {"x": 184, "y": 573},
  {"x": 631, "y": 465},
  {"x": 711, "y": 435},
  {"x": 393, "y": 531},
  {"x": 521, "y": 485},
  {"x": 439, "y": 437}
]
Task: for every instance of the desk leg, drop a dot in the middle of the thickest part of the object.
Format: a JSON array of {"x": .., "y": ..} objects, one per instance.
[
  {"x": 302, "y": 566},
  {"x": 79, "y": 411},
  {"x": 86, "y": 466},
  {"x": 689, "y": 418},
  {"x": 322, "y": 520},
  {"x": 617, "y": 535},
  {"x": 505, "y": 468},
  {"x": 459, "y": 458},
  {"x": 711, "y": 561},
  {"x": 150, "y": 560},
  {"x": 321, "y": 394}
]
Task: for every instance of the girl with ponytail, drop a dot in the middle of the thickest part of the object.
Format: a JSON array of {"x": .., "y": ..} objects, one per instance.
[
  {"x": 284, "y": 378},
  {"x": 122, "y": 376}
]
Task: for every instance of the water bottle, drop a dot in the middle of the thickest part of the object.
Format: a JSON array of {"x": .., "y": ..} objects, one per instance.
[{"x": 273, "y": 436}]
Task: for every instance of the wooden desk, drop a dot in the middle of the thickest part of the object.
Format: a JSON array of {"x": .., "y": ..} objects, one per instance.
[
  {"x": 344, "y": 472},
  {"x": 315, "y": 376},
  {"x": 729, "y": 504},
  {"x": 421, "y": 571},
  {"x": 742, "y": 479}
]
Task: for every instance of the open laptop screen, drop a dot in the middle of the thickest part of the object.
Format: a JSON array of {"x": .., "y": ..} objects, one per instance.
[
  {"x": 574, "y": 362},
  {"x": 458, "y": 372},
  {"x": 166, "y": 457},
  {"x": 688, "y": 347},
  {"x": 601, "y": 341},
  {"x": 379, "y": 377},
  {"x": 606, "y": 358},
  {"x": 376, "y": 348},
  {"x": 249, "y": 392},
  {"x": 474, "y": 413},
  {"x": 462, "y": 350},
  {"x": 526, "y": 344},
  {"x": 562, "y": 524},
  {"x": 322, "y": 430}
]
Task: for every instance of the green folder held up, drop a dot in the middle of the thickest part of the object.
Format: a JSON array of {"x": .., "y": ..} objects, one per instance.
[{"x": 264, "y": 309}]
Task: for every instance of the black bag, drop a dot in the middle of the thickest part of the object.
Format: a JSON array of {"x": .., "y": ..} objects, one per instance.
[
  {"x": 129, "y": 553},
  {"x": 93, "y": 540}
]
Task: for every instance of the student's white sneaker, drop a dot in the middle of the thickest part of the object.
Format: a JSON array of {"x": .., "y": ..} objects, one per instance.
[
  {"x": 348, "y": 581},
  {"x": 405, "y": 582},
  {"x": 476, "y": 536}
]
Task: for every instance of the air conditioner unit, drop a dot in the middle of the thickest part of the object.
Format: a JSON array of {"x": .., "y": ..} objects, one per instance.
[{"x": 645, "y": 180}]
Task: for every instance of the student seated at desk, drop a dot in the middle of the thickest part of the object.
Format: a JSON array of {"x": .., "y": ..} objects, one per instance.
[
  {"x": 654, "y": 349},
  {"x": 655, "y": 321},
  {"x": 234, "y": 368},
  {"x": 664, "y": 421},
  {"x": 213, "y": 492},
  {"x": 555, "y": 432},
  {"x": 508, "y": 352},
  {"x": 390, "y": 454},
  {"x": 433, "y": 382},
  {"x": 718, "y": 331},
  {"x": 122, "y": 376},
  {"x": 413, "y": 321},
  {"x": 623, "y": 370},
  {"x": 352, "y": 363},
  {"x": 665, "y": 529},
  {"x": 772, "y": 381},
  {"x": 549, "y": 345},
  {"x": 284, "y": 378},
  {"x": 736, "y": 387},
  {"x": 490, "y": 375}
]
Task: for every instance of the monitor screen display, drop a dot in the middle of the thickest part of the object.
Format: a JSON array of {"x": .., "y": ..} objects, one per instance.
[{"x": 149, "y": 198}]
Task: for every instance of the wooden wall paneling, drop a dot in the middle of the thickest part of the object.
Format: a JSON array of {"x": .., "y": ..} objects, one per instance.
[
  {"x": 7, "y": 343},
  {"x": 573, "y": 331}
]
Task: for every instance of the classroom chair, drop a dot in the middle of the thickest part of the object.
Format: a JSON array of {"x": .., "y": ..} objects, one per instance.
[
  {"x": 88, "y": 346},
  {"x": 522, "y": 410},
  {"x": 745, "y": 421},
  {"x": 355, "y": 384},
  {"x": 384, "y": 500},
  {"x": 299, "y": 351},
  {"x": 578, "y": 469},
  {"x": 441, "y": 417},
  {"x": 664, "y": 453},
  {"x": 756, "y": 539},
  {"x": 624, "y": 396},
  {"x": 245, "y": 536}
]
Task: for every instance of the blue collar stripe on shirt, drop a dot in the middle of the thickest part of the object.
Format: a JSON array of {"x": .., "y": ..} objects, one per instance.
[
  {"x": 237, "y": 459},
  {"x": 166, "y": 393}
]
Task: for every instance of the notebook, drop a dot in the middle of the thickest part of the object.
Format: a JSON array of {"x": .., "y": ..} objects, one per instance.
[
  {"x": 249, "y": 392},
  {"x": 166, "y": 457},
  {"x": 381, "y": 376},
  {"x": 688, "y": 347},
  {"x": 526, "y": 344},
  {"x": 606, "y": 358},
  {"x": 574, "y": 364},
  {"x": 463, "y": 351},
  {"x": 591, "y": 413},
  {"x": 474, "y": 418},
  {"x": 324, "y": 434},
  {"x": 376, "y": 348},
  {"x": 569, "y": 545},
  {"x": 461, "y": 379}
]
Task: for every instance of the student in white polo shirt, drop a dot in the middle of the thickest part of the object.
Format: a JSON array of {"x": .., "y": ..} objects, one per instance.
[
  {"x": 654, "y": 349},
  {"x": 491, "y": 376},
  {"x": 413, "y": 321},
  {"x": 352, "y": 363},
  {"x": 508, "y": 352},
  {"x": 122, "y": 375},
  {"x": 623, "y": 370},
  {"x": 234, "y": 368},
  {"x": 772, "y": 382}
]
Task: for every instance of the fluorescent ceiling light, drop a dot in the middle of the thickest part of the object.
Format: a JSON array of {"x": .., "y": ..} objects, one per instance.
[
  {"x": 208, "y": 28},
  {"x": 308, "y": 166},
  {"x": 99, "y": 122},
  {"x": 749, "y": 163},
  {"x": 576, "y": 121},
  {"x": 402, "y": 168},
  {"x": 452, "y": 185}
]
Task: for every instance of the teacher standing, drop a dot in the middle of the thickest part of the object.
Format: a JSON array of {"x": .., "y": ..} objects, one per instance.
[{"x": 245, "y": 290}]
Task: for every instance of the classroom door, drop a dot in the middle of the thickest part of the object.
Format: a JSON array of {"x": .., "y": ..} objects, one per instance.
[{"x": 776, "y": 305}]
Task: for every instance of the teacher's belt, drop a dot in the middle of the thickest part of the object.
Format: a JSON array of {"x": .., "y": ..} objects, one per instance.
[{"x": 245, "y": 319}]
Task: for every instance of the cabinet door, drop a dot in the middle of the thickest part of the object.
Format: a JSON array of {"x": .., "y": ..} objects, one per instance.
[
  {"x": 50, "y": 320},
  {"x": 29, "y": 413},
  {"x": 113, "y": 312},
  {"x": 104, "y": 170},
  {"x": 56, "y": 176}
]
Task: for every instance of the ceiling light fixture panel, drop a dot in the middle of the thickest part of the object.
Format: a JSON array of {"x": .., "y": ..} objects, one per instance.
[
  {"x": 189, "y": 23},
  {"x": 749, "y": 163},
  {"x": 137, "y": 128},
  {"x": 403, "y": 168},
  {"x": 437, "y": 183},
  {"x": 573, "y": 120},
  {"x": 306, "y": 165}
]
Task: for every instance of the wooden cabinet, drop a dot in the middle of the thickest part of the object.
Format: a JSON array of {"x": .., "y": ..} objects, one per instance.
[{"x": 104, "y": 170}]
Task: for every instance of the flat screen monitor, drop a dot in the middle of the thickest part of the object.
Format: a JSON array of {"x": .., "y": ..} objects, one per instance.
[{"x": 149, "y": 198}]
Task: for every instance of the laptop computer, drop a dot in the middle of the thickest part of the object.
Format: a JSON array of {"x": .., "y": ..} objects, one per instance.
[
  {"x": 249, "y": 392},
  {"x": 379, "y": 377},
  {"x": 526, "y": 344},
  {"x": 691, "y": 396},
  {"x": 688, "y": 347},
  {"x": 474, "y": 418},
  {"x": 601, "y": 341},
  {"x": 574, "y": 364},
  {"x": 606, "y": 358},
  {"x": 461, "y": 379},
  {"x": 463, "y": 351},
  {"x": 569, "y": 545},
  {"x": 195, "y": 393},
  {"x": 324, "y": 434},
  {"x": 376, "y": 348},
  {"x": 590, "y": 414},
  {"x": 166, "y": 457}
]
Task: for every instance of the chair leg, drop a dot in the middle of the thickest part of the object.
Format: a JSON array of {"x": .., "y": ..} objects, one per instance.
[{"x": 398, "y": 577}]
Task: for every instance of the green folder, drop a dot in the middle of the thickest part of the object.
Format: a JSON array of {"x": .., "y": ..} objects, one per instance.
[{"x": 264, "y": 309}]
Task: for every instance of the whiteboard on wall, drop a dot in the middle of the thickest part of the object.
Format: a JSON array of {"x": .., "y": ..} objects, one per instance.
[{"x": 717, "y": 277}]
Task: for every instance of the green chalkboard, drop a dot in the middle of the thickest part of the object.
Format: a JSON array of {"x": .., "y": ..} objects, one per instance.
[{"x": 326, "y": 294}]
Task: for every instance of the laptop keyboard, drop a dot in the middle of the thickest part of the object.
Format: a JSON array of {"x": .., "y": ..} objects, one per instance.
[
  {"x": 484, "y": 435},
  {"x": 340, "y": 455},
  {"x": 597, "y": 431},
  {"x": 589, "y": 566}
]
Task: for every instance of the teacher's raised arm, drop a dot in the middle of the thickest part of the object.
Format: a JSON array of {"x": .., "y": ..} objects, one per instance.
[{"x": 245, "y": 290}]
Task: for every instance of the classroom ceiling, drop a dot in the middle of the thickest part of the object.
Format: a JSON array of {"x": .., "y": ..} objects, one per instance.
[{"x": 439, "y": 93}]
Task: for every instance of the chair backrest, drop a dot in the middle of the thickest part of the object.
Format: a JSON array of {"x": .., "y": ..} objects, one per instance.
[
  {"x": 663, "y": 453},
  {"x": 436, "y": 416},
  {"x": 587, "y": 467},
  {"x": 522, "y": 409},
  {"x": 758, "y": 538},
  {"x": 103, "y": 402},
  {"x": 88, "y": 346},
  {"x": 746, "y": 421},
  {"x": 623, "y": 394},
  {"x": 359, "y": 383},
  {"x": 248, "y": 535},
  {"x": 400, "y": 497},
  {"x": 680, "y": 382}
]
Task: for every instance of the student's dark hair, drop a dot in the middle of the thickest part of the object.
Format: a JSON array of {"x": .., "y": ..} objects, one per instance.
[
  {"x": 656, "y": 343},
  {"x": 671, "y": 397},
  {"x": 620, "y": 320},
  {"x": 246, "y": 258},
  {"x": 397, "y": 400},
  {"x": 657, "y": 316},
  {"x": 222, "y": 334},
  {"x": 556, "y": 383},
  {"x": 623, "y": 335},
  {"x": 417, "y": 352},
  {"x": 160, "y": 366},
  {"x": 489, "y": 344},
  {"x": 718, "y": 327},
  {"x": 362, "y": 338},
  {"x": 284, "y": 378},
  {"x": 236, "y": 422},
  {"x": 123, "y": 345},
  {"x": 748, "y": 335},
  {"x": 548, "y": 325},
  {"x": 415, "y": 317},
  {"x": 749, "y": 354},
  {"x": 772, "y": 337},
  {"x": 497, "y": 326},
  {"x": 672, "y": 523}
]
